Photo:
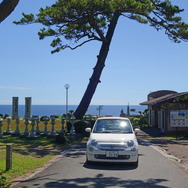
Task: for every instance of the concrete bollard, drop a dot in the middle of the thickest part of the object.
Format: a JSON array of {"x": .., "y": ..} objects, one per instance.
[{"x": 8, "y": 157}]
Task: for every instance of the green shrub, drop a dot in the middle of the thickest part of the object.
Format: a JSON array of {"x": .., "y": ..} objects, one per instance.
[
  {"x": 5, "y": 116},
  {"x": 1, "y": 115},
  {"x": 61, "y": 139},
  {"x": 56, "y": 116},
  {"x": 136, "y": 121},
  {"x": 80, "y": 127},
  {"x": 3, "y": 182},
  {"x": 42, "y": 118},
  {"x": 143, "y": 122},
  {"x": 131, "y": 119},
  {"x": 69, "y": 125},
  {"x": 135, "y": 116},
  {"x": 144, "y": 125},
  {"x": 139, "y": 121}
]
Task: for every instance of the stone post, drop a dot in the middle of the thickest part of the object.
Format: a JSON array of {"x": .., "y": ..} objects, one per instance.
[
  {"x": 37, "y": 127},
  {"x": 33, "y": 133},
  {"x": 26, "y": 132},
  {"x": 62, "y": 122},
  {"x": 1, "y": 124},
  {"x": 8, "y": 157},
  {"x": 28, "y": 107},
  {"x": 8, "y": 131},
  {"x": 72, "y": 120},
  {"x": 17, "y": 131},
  {"x": 45, "y": 133},
  {"x": 14, "y": 107},
  {"x": 53, "y": 132}
]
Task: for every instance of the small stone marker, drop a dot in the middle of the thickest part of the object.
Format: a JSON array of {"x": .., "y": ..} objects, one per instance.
[{"x": 8, "y": 157}]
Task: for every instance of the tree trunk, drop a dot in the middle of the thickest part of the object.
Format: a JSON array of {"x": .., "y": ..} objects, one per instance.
[
  {"x": 95, "y": 78},
  {"x": 6, "y": 7}
]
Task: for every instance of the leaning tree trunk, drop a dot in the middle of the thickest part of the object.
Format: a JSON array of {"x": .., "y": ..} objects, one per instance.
[
  {"x": 95, "y": 78},
  {"x": 6, "y": 7}
]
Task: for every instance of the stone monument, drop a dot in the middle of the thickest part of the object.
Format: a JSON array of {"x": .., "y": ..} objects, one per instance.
[
  {"x": 14, "y": 107},
  {"x": 28, "y": 107}
]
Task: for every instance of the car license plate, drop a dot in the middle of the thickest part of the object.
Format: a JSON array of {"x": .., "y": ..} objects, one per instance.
[{"x": 112, "y": 154}]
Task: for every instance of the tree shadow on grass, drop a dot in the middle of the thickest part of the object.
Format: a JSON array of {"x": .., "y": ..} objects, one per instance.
[
  {"x": 39, "y": 147},
  {"x": 37, "y": 152}
]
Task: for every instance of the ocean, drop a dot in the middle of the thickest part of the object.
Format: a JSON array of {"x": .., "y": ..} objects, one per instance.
[{"x": 47, "y": 110}]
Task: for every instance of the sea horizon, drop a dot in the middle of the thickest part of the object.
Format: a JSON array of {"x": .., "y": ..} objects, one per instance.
[{"x": 47, "y": 110}]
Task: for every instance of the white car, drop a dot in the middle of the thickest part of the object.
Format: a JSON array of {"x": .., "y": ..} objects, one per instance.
[{"x": 112, "y": 140}]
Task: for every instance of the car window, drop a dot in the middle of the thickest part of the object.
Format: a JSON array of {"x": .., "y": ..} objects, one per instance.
[{"x": 112, "y": 126}]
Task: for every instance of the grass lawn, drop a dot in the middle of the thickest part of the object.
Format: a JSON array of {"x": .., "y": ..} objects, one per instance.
[
  {"x": 29, "y": 154},
  {"x": 181, "y": 136}
]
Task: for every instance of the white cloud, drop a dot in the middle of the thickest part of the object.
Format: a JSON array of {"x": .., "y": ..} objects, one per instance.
[{"x": 15, "y": 87}]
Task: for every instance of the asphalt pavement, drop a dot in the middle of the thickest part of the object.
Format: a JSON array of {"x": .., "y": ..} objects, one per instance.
[{"x": 70, "y": 170}]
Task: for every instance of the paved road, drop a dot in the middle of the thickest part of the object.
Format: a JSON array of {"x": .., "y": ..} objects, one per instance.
[{"x": 71, "y": 171}]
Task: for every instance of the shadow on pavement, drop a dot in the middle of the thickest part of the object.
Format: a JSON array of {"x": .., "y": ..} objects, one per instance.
[
  {"x": 109, "y": 166},
  {"x": 100, "y": 181}
]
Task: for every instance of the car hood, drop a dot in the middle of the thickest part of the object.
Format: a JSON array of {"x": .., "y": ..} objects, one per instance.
[{"x": 111, "y": 137}]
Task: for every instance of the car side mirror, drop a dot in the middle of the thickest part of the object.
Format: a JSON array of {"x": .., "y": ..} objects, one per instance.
[
  {"x": 88, "y": 129},
  {"x": 137, "y": 131}
]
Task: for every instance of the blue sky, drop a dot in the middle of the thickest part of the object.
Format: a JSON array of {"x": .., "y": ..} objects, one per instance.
[{"x": 141, "y": 60}]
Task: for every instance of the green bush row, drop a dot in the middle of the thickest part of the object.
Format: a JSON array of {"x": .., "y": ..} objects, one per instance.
[{"x": 139, "y": 121}]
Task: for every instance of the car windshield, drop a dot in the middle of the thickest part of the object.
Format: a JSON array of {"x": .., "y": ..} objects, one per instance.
[{"x": 112, "y": 126}]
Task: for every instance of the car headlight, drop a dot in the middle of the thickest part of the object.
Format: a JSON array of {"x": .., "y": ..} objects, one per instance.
[
  {"x": 94, "y": 143},
  {"x": 130, "y": 143}
]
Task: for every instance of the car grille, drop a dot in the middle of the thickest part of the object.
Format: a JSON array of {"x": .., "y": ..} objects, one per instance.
[
  {"x": 98, "y": 156},
  {"x": 112, "y": 147}
]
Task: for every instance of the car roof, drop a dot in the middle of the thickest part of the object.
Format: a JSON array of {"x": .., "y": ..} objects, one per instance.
[{"x": 111, "y": 118}]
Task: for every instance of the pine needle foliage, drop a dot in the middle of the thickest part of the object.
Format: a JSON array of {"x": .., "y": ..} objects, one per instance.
[{"x": 72, "y": 23}]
